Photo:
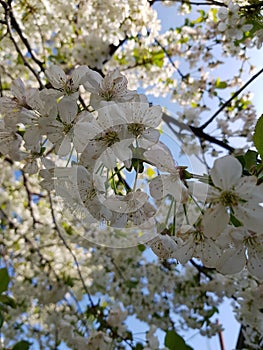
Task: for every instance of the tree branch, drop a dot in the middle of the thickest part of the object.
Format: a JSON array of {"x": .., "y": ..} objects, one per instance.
[
  {"x": 241, "y": 339},
  {"x": 70, "y": 250},
  {"x": 188, "y": 2},
  {"x": 29, "y": 200},
  {"x": 202, "y": 127},
  {"x": 170, "y": 59},
  {"x": 197, "y": 131},
  {"x": 8, "y": 12},
  {"x": 17, "y": 28}
]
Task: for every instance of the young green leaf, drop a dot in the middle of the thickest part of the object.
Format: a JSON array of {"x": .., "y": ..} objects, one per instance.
[
  {"x": 175, "y": 342},
  {"x": 258, "y": 136},
  {"x": 4, "y": 280},
  {"x": 21, "y": 345}
]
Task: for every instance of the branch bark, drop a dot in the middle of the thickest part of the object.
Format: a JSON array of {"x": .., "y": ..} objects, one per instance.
[{"x": 202, "y": 127}]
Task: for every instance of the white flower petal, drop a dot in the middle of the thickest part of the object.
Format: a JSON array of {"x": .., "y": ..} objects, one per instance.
[
  {"x": 157, "y": 188},
  {"x": 18, "y": 89},
  {"x": 186, "y": 251},
  {"x": 215, "y": 221},
  {"x": 65, "y": 146},
  {"x": 110, "y": 116},
  {"x": 48, "y": 163},
  {"x": 153, "y": 116},
  {"x": 209, "y": 253},
  {"x": 108, "y": 158},
  {"x": 149, "y": 137},
  {"x": 92, "y": 82},
  {"x": 91, "y": 153},
  {"x": 246, "y": 186},
  {"x": 161, "y": 157},
  {"x": 79, "y": 75},
  {"x": 163, "y": 246},
  {"x": 32, "y": 136},
  {"x": 232, "y": 261},
  {"x": 255, "y": 261},
  {"x": 68, "y": 110},
  {"x": 226, "y": 172},
  {"x": 56, "y": 76},
  {"x": 256, "y": 195},
  {"x": 85, "y": 129},
  {"x": 122, "y": 150},
  {"x": 31, "y": 167},
  {"x": 251, "y": 215},
  {"x": 222, "y": 26},
  {"x": 199, "y": 190}
]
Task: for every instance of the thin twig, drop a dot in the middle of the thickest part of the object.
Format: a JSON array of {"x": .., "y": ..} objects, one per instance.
[
  {"x": 29, "y": 200},
  {"x": 202, "y": 135},
  {"x": 197, "y": 131},
  {"x": 202, "y": 269},
  {"x": 241, "y": 339},
  {"x": 187, "y": 2},
  {"x": 202, "y": 127},
  {"x": 1, "y": 87},
  {"x": 221, "y": 338},
  {"x": 9, "y": 29},
  {"x": 17, "y": 28},
  {"x": 170, "y": 59},
  {"x": 70, "y": 250}
]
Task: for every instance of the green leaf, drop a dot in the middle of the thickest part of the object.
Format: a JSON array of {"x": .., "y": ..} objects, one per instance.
[
  {"x": 22, "y": 345},
  {"x": 131, "y": 284},
  {"x": 220, "y": 84},
  {"x": 258, "y": 136},
  {"x": 241, "y": 159},
  {"x": 5, "y": 299},
  {"x": 1, "y": 320},
  {"x": 211, "y": 313},
  {"x": 141, "y": 247},
  {"x": 235, "y": 221},
  {"x": 250, "y": 159},
  {"x": 175, "y": 342},
  {"x": 4, "y": 280}
]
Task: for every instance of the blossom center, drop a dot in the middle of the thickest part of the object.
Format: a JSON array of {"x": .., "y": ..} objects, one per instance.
[
  {"x": 109, "y": 138},
  {"x": 68, "y": 86},
  {"x": 250, "y": 241},
  {"x": 90, "y": 194},
  {"x": 67, "y": 128},
  {"x": 199, "y": 237},
  {"x": 136, "y": 129},
  {"x": 107, "y": 95},
  {"x": 229, "y": 198}
]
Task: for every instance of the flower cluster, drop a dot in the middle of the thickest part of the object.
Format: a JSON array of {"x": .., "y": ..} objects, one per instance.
[
  {"x": 228, "y": 234},
  {"x": 231, "y": 24},
  {"x": 88, "y": 137},
  {"x": 116, "y": 136}
]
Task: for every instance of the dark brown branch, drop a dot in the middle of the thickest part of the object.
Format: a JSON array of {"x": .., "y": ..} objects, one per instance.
[
  {"x": 241, "y": 339},
  {"x": 43, "y": 261},
  {"x": 29, "y": 200},
  {"x": 1, "y": 87},
  {"x": 9, "y": 29},
  {"x": 220, "y": 336},
  {"x": 57, "y": 228},
  {"x": 204, "y": 136},
  {"x": 170, "y": 59},
  {"x": 17, "y": 28},
  {"x": 205, "y": 3},
  {"x": 197, "y": 131},
  {"x": 253, "y": 6},
  {"x": 202, "y": 127},
  {"x": 202, "y": 269}
]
